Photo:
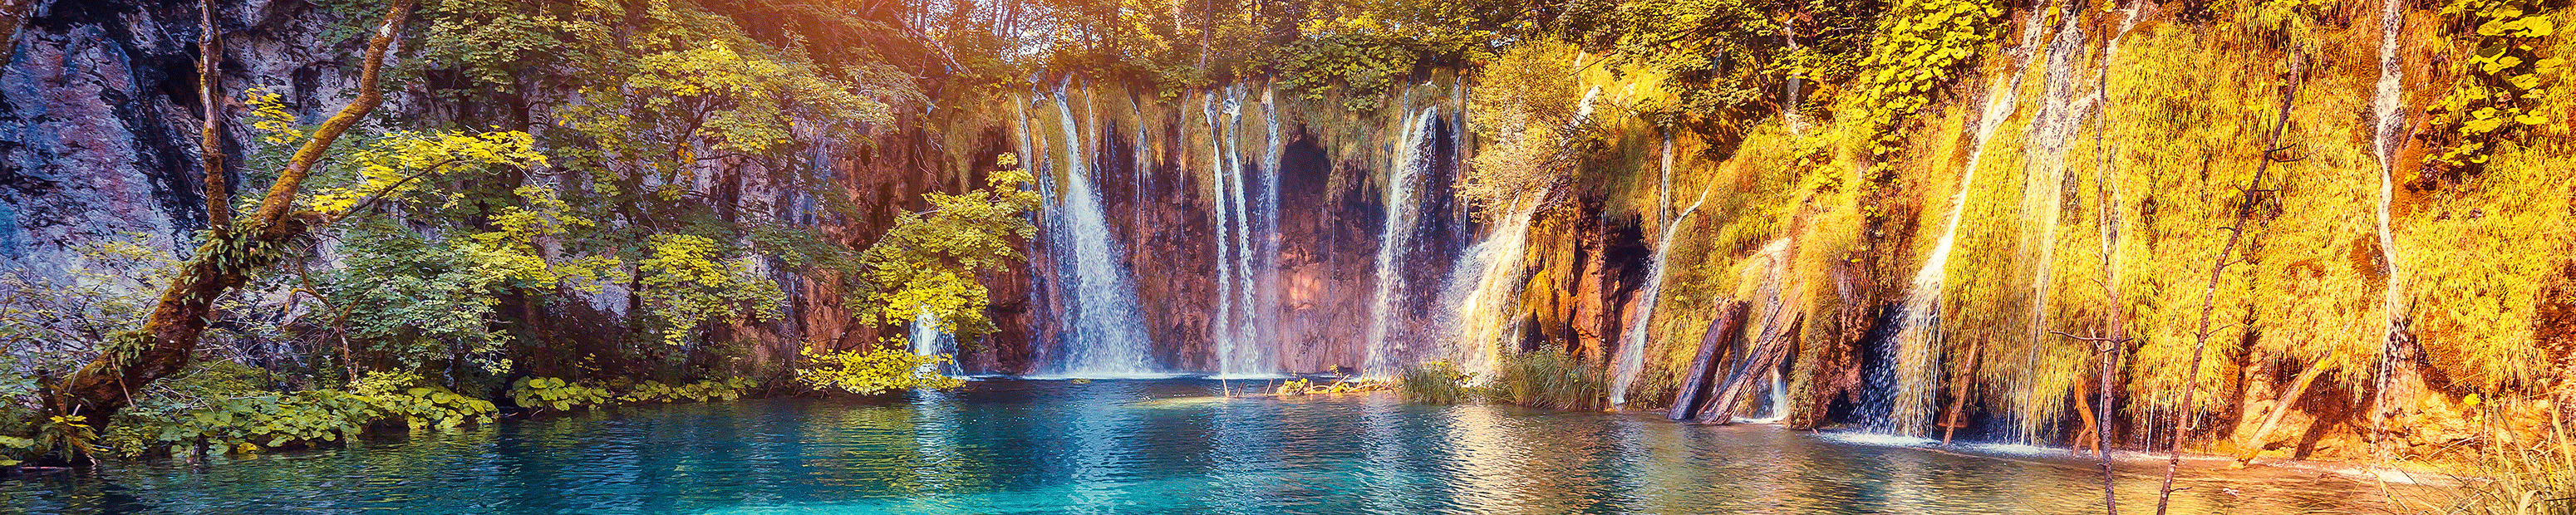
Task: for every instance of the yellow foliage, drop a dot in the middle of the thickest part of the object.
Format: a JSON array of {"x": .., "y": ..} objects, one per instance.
[{"x": 876, "y": 370}]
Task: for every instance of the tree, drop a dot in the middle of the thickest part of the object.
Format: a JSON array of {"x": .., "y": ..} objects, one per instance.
[
  {"x": 687, "y": 283},
  {"x": 168, "y": 340},
  {"x": 930, "y": 261},
  {"x": 1524, "y": 112}
]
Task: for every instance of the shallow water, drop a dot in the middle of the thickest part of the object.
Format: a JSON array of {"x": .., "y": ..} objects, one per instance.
[{"x": 1147, "y": 447}]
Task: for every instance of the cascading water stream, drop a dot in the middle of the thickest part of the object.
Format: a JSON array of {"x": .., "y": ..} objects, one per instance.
[
  {"x": 1238, "y": 331},
  {"x": 1916, "y": 354},
  {"x": 928, "y": 340},
  {"x": 1221, "y": 323},
  {"x": 1402, "y": 211},
  {"x": 1266, "y": 267},
  {"x": 2044, "y": 146},
  {"x": 1104, "y": 338},
  {"x": 2387, "y": 104},
  {"x": 1583, "y": 110},
  {"x": 1481, "y": 292},
  {"x": 1632, "y": 347}
]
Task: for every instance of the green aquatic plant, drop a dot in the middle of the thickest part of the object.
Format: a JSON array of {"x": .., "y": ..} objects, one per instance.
[
  {"x": 1310, "y": 387},
  {"x": 702, "y": 391},
  {"x": 407, "y": 397},
  {"x": 1550, "y": 378},
  {"x": 537, "y": 393},
  {"x": 1436, "y": 382},
  {"x": 224, "y": 419}
]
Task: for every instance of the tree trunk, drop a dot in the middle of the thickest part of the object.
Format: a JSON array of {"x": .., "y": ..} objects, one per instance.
[
  {"x": 210, "y": 139},
  {"x": 168, "y": 340},
  {"x": 2253, "y": 444},
  {"x": 1766, "y": 356},
  {"x": 1730, "y": 318},
  {"x": 1959, "y": 403}
]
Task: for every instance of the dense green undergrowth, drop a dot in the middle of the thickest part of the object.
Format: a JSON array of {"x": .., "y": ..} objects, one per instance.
[{"x": 1543, "y": 378}]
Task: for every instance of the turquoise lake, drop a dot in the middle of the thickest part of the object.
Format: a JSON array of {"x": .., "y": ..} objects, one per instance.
[{"x": 1148, "y": 446}]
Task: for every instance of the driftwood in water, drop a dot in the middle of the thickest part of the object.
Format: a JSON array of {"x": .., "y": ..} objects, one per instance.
[
  {"x": 1767, "y": 353},
  {"x": 1695, "y": 386}
]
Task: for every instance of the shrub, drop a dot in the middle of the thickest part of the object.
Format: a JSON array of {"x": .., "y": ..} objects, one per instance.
[
  {"x": 537, "y": 393},
  {"x": 702, "y": 391},
  {"x": 875, "y": 370},
  {"x": 251, "y": 423},
  {"x": 1436, "y": 382},
  {"x": 1549, "y": 378},
  {"x": 2528, "y": 472}
]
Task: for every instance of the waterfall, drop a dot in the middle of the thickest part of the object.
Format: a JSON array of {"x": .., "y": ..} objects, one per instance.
[
  {"x": 1779, "y": 401},
  {"x": 1481, "y": 291},
  {"x": 1237, "y": 333},
  {"x": 1103, "y": 337},
  {"x": 2388, "y": 104},
  {"x": 1266, "y": 267},
  {"x": 1221, "y": 323},
  {"x": 1583, "y": 109},
  {"x": 1144, "y": 154},
  {"x": 1916, "y": 354},
  {"x": 929, "y": 340},
  {"x": 1394, "y": 240},
  {"x": 2044, "y": 145},
  {"x": 1632, "y": 345}
]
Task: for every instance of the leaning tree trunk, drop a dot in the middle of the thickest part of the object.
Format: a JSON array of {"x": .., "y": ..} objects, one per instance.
[{"x": 168, "y": 341}]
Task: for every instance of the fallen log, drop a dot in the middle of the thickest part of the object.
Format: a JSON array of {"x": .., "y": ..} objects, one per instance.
[
  {"x": 1768, "y": 352},
  {"x": 1695, "y": 385}
]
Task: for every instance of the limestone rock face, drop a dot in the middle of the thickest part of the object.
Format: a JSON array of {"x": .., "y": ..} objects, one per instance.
[{"x": 95, "y": 130}]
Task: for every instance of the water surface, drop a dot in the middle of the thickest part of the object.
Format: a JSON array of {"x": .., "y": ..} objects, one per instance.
[{"x": 1044, "y": 447}]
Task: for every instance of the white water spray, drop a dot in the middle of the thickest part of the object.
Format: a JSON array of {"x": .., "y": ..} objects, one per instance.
[
  {"x": 1104, "y": 338},
  {"x": 1632, "y": 347},
  {"x": 1394, "y": 240},
  {"x": 1483, "y": 288},
  {"x": 929, "y": 340},
  {"x": 1916, "y": 354}
]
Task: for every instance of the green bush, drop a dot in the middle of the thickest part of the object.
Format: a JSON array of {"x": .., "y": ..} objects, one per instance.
[
  {"x": 1436, "y": 382},
  {"x": 1549, "y": 378},
  {"x": 875, "y": 370},
  {"x": 11, "y": 446}
]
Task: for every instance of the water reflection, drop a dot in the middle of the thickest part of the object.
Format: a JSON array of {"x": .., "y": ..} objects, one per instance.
[{"x": 1144, "y": 447}]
